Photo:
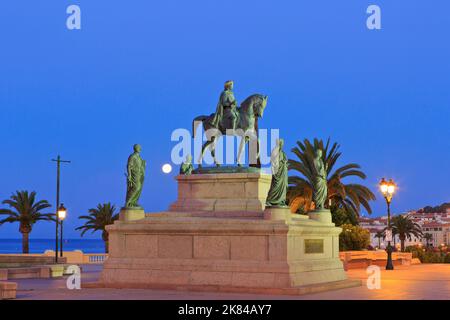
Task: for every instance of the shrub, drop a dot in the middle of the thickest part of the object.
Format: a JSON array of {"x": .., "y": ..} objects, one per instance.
[
  {"x": 353, "y": 238},
  {"x": 417, "y": 252},
  {"x": 432, "y": 257},
  {"x": 428, "y": 256},
  {"x": 447, "y": 258}
]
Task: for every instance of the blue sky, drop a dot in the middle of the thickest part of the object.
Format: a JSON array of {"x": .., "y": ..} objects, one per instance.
[{"x": 90, "y": 94}]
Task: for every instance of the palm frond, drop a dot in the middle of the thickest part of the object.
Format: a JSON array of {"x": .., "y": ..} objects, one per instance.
[{"x": 351, "y": 197}]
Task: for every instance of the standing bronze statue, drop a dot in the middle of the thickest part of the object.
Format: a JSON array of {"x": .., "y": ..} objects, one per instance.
[
  {"x": 320, "y": 181},
  {"x": 279, "y": 184},
  {"x": 135, "y": 177}
]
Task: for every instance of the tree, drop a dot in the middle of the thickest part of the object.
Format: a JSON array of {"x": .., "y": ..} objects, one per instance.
[
  {"x": 98, "y": 219},
  {"x": 27, "y": 211},
  {"x": 428, "y": 237},
  {"x": 379, "y": 235},
  {"x": 339, "y": 217},
  {"x": 350, "y": 197},
  {"x": 353, "y": 238},
  {"x": 405, "y": 228},
  {"x": 437, "y": 209}
]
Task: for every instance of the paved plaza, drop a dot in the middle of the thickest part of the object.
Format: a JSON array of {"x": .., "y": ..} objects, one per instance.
[{"x": 425, "y": 281}]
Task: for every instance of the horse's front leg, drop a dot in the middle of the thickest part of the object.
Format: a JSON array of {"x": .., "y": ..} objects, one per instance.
[
  {"x": 253, "y": 148},
  {"x": 213, "y": 151},
  {"x": 204, "y": 147},
  {"x": 241, "y": 148}
]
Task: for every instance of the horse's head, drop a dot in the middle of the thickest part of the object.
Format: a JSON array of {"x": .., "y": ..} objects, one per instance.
[
  {"x": 260, "y": 106},
  {"x": 254, "y": 105}
]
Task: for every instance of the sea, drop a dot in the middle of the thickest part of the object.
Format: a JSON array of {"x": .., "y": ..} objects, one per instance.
[{"x": 41, "y": 245}]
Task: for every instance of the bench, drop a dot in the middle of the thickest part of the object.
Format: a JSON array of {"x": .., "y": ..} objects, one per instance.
[
  {"x": 28, "y": 273},
  {"x": 8, "y": 290}
]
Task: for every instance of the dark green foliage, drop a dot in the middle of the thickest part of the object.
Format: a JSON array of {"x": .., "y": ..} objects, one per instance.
[
  {"x": 428, "y": 237},
  {"x": 437, "y": 209},
  {"x": 24, "y": 208},
  {"x": 447, "y": 258},
  {"x": 428, "y": 255},
  {"x": 380, "y": 235},
  {"x": 353, "y": 238},
  {"x": 405, "y": 228},
  {"x": 340, "y": 216},
  {"x": 98, "y": 219}
]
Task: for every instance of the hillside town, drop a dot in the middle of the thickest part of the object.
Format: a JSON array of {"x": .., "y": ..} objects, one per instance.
[{"x": 437, "y": 224}]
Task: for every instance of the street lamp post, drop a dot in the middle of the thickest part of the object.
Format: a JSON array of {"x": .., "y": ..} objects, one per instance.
[
  {"x": 58, "y": 169},
  {"x": 387, "y": 189},
  {"x": 62, "y": 212}
]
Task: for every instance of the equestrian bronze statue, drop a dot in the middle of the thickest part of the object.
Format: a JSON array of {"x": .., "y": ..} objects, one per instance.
[{"x": 230, "y": 119}]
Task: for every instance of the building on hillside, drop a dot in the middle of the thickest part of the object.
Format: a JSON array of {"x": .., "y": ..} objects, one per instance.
[
  {"x": 437, "y": 224},
  {"x": 439, "y": 231}
]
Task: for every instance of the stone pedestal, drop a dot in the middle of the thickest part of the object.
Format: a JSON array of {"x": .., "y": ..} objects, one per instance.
[
  {"x": 201, "y": 248},
  {"x": 222, "y": 192},
  {"x": 171, "y": 251},
  {"x": 323, "y": 216},
  {"x": 131, "y": 214},
  {"x": 278, "y": 213}
]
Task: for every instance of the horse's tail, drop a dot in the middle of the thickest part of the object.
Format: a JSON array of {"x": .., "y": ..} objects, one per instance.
[{"x": 195, "y": 124}]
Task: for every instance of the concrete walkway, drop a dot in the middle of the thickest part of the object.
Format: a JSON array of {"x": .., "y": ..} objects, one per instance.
[{"x": 426, "y": 281}]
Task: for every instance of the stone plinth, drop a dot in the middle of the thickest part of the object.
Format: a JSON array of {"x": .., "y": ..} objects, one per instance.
[
  {"x": 131, "y": 214},
  {"x": 323, "y": 216},
  {"x": 222, "y": 192},
  {"x": 172, "y": 251},
  {"x": 219, "y": 236},
  {"x": 278, "y": 213}
]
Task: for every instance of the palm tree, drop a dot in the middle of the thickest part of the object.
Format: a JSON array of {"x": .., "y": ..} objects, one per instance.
[
  {"x": 405, "y": 228},
  {"x": 98, "y": 219},
  {"x": 27, "y": 211},
  {"x": 350, "y": 196},
  {"x": 379, "y": 235},
  {"x": 428, "y": 237}
]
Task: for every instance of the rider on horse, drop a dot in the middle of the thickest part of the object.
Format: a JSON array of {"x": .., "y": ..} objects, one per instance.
[{"x": 226, "y": 109}]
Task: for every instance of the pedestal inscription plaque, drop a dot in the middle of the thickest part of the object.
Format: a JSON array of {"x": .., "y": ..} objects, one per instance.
[{"x": 313, "y": 245}]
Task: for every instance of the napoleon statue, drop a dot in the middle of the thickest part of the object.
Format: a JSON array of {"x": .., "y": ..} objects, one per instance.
[
  {"x": 226, "y": 108},
  {"x": 233, "y": 120}
]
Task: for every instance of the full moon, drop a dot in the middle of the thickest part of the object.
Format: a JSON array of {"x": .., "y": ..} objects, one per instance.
[{"x": 167, "y": 168}]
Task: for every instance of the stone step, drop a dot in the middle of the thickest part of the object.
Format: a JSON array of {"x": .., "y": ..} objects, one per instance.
[{"x": 291, "y": 291}]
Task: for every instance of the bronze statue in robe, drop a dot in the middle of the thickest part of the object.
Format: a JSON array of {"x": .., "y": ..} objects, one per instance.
[
  {"x": 279, "y": 184},
  {"x": 320, "y": 190},
  {"x": 135, "y": 177},
  {"x": 187, "y": 167}
]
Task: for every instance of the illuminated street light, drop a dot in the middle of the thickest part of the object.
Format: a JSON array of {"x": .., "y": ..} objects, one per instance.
[
  {"x": 388, "y": 188},
  {"x": 62, "y": 213}
]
